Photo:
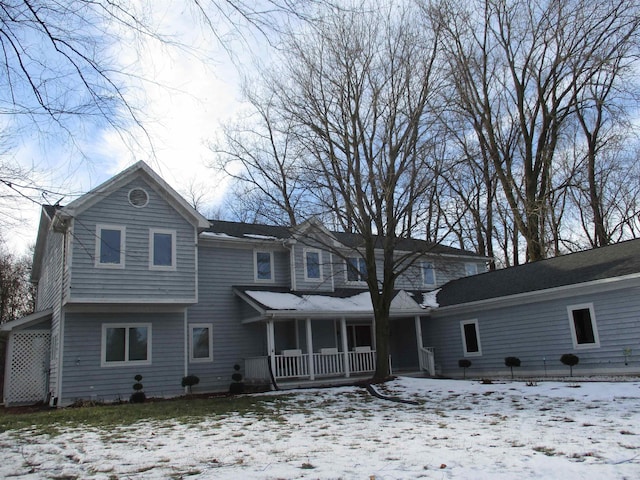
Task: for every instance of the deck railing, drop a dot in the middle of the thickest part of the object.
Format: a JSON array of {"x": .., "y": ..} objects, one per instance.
[
  {"x": 427, "y": 360},
  {"x": 292, "y": 364}
]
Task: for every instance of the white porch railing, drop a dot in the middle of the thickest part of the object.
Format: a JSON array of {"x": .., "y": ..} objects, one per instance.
[
  {"x": 362, "y": 361},
  {"x": 427, "y": 360}
]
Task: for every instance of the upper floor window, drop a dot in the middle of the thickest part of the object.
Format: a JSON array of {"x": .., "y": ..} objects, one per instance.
[
  {"x": 470, "y": 338},
  {"x": 126, "y": 343},
  {"x": 428, "y": 274},
  {"x": 162, "y": 249},
  {"x": 110, "y": 246},
  {"x": 263, "y": 266},
  {"x": 312, "y": 267},
  {"x": 470, "y": 269},
  {"x": 584, "y": 331},
  {"x": 356, "y": 269}
]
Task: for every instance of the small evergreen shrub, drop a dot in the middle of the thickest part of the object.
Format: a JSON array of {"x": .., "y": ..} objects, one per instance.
[
  {"x": 238, "y": 385},
  {"x": 512, "y": 362},
  {"x": 189, "y": 381},
  {"x": 570, "y": 360},
  {"x": 464, "y": 363},
  {"x": 138, "y": 395}
]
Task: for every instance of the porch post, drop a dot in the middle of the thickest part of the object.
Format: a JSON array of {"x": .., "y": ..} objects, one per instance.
[
  {"x": 419, "y": 340},
  {"x": 345, "y": 345},
  {"x": 312, "y": 375},
  {"x": 271, "y": 346}
]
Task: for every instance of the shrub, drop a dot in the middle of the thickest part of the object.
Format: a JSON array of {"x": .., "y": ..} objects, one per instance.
[
  {"x": 512, "y": 362},
  {"x": 570, "y": 360},
  {"x": 464, "y": 363},
  {"x": 189, "y": 381},
  {"x": 138, "y": 395},
  {"x": 238, "y": 385}
]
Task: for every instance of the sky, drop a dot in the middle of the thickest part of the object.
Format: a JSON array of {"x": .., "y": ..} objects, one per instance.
[
  {"x": 457, "y": 430},
  {"x": 187, "y": 95}
]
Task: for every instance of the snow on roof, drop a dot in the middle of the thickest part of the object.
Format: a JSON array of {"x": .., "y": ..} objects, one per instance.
[
  {"x": 360, "y": 302},
  {"x": 260, "y": 237},
  {"x": 430, "y": 299},
  {"x": 214, "y": 234}
]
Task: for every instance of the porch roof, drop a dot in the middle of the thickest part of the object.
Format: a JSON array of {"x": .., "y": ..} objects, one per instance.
[
  {"x": 27, "y": 321},
  {"x": 274, "y": 302}
]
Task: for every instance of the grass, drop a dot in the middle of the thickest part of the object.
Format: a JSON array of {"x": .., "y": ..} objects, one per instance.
[{"x": 49, "y": 421}]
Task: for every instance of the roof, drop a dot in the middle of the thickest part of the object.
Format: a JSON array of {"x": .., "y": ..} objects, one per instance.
[
  {"x": 349, "y": 240},
  {"x": 284, "y": 303},
  {"x": 27, "y": 321},
  {"x": 597, "y": 264}
]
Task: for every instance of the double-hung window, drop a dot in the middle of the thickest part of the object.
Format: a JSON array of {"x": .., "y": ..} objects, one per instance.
[
  {"x": 162, "y": 249},
  {"x": 470, "y": 269},
  {"x": 124, "y": 344},
  {"x": 201, "y": 339},
  {"x": 312, "y": 265},
  {"x": 584, "y": 331},
  {"x": 428, "y": 274},
  {"x": 470, "y": 338},
  {"x": 263, "y": 266},
  {"x": 356, "y": 269},
  {"x": 110, "y": 241}
]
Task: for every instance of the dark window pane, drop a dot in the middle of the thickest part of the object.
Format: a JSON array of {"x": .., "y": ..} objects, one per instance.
[
  {"x": 313, "y": 265},
  {"x": 114, "y": 351},
  {"x": 263, "y": 260},
  {"x": 162, "y": 249},
  {"x": 583, "y": 325},
  {"x": 471, "y": 338},
  {"x": 137, "y": 343},
  {"x": 428, "y": 275},
  {"x": 356, "y": 269},
  {"x": 200, "y": 342},
  {"x": 110, "y": 246}
]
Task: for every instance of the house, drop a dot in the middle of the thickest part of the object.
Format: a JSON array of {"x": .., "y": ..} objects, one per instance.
[
  {"x": 585, "y": 303},
  {"x": 131, "y": 280}
]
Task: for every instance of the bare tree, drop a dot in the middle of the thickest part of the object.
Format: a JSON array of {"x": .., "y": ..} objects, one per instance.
[
  {"x": 518, "y": 68},
  {"x": 359, "y": 87},
  {"x": 17, "y": 295}
]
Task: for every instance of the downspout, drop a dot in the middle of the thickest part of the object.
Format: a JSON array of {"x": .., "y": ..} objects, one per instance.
[
  {"x": 292, "y": 263},
  {"x": 58, "y": 398}
]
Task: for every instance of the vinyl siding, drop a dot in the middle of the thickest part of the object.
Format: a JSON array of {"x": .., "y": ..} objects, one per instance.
[
  {"x": 220, "y": 268},
  {"x": 85, "y": 378},
  {"x": 136, "y": 281},
  {"x": 536, "y": 331}
]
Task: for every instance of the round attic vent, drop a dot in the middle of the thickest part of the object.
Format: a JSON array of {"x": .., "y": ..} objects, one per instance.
[{"x": 138, "y": 197}]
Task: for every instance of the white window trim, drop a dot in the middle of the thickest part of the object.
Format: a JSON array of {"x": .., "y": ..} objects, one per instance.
[
  {"x": 433, "y": 267},
  {"x": 123, "y": 233},
  {"x": 127, "y": 326},
  {"x": 152, "y": 232},
  {"x": 304, "y": 261},
  {"x": 255, "y": 267},
  {"x": 464, "y": 338},
  {"x": 209, "y": 358},
  {"x": 346, "y": 272},
  {"x": 594, "y": 325}
]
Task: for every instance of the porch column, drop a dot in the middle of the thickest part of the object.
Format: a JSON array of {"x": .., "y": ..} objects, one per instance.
[
  {"x": 312, "y": 375},
  {"x": 271, "y": 346},
  {"x": 419, "y": 340},
  {"x": 345, "y": 345}
]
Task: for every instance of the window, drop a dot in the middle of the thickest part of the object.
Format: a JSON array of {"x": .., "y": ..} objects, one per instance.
[
  {"x": 162, "y": 251},
  {"x": 356, "y": 269},
  {"x": 110, "y": 246},
  {"x": 584, "y": 331},
  {"x": 470, "y": 338},
  {"x": 312, "y": 268},
  {"x": 124, "y": 344},
  {"x": 201, "y": 338},
  {"x": 428, "y": 274},
  {"x": 264, "y": 266},
  {"x": 470, "y": 269}
]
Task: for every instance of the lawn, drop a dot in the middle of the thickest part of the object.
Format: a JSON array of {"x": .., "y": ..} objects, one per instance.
[{"x": 457, "y": 429}]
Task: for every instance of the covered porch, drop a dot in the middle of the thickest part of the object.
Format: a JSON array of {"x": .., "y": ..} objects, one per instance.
[{"x": 324, "y": 338}]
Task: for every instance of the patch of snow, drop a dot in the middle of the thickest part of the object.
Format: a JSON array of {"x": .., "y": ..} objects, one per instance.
[
  {"x": 260, "y": 237},
  {"x": 430, "y": 299},
  {"x": 215, "y": 235},
  {"x": 459, "y": 430}
]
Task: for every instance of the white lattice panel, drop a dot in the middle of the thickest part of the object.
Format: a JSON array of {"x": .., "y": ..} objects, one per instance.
[{"x": 29, "y": 367}]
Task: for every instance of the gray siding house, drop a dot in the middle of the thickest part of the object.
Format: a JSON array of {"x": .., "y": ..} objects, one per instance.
[{"x": 133, "y": 281}]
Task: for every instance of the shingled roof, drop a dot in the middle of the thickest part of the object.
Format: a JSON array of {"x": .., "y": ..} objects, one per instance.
[
  {"x": 350, "y": 240},
  {"x": 590, "y": 265}
]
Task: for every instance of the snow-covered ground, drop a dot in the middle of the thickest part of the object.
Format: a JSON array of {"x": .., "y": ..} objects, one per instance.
[{"x": 459, "y": 430}]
